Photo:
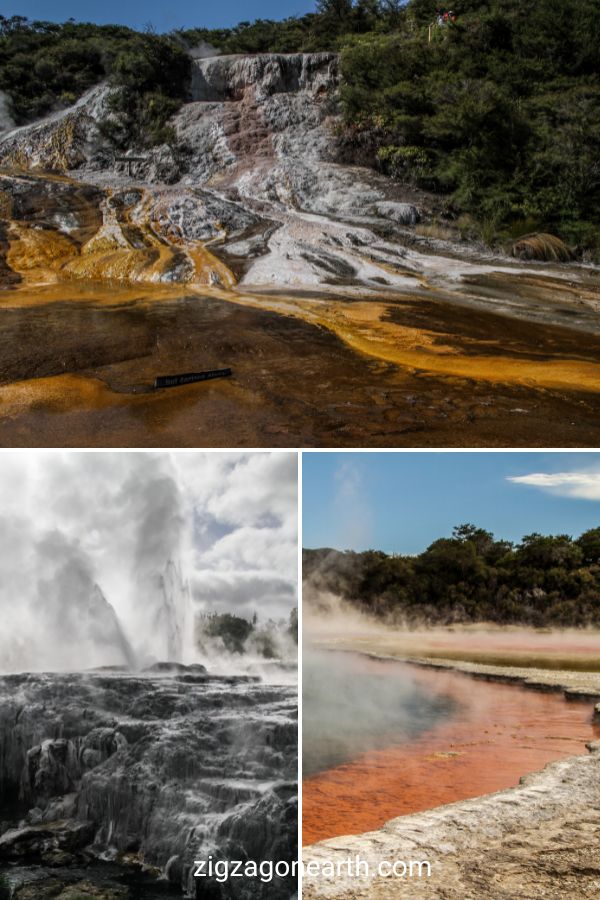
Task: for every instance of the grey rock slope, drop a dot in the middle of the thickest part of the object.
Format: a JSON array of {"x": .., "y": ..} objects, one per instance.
[
  {"x": 255, "y": 174},
  {"x": 254, "y": 167}
]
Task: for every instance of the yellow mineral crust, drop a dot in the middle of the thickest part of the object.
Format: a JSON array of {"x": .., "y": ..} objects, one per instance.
[{"x": 121, "y": 250}]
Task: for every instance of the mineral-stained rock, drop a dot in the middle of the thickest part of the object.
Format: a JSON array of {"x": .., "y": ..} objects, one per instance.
[
  {"x": 256, "y": 152},
  {"x": 228, "y": 77},
  {"x": 538, "y": 840}
]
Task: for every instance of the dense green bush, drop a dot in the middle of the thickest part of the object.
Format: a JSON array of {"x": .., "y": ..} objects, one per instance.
[
  {"x": 234, "y": 631},
  {"x": 44, "y": 67},
  {"x": 470, "y": 577},
  {"x": 151, "y": 78},
  {"x": 500, "y": 110},
  {"x": 326, "y": 29}
]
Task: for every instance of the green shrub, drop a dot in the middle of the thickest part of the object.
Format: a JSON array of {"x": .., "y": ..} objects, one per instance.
[
  {"x": 501, "y": 113},
  {"x": 409, "y": 164},
  {"x": 44, "y": 67},
  {"x": 234, "y": 631}
]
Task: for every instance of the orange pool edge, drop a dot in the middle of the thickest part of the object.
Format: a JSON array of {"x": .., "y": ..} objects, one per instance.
[{"x": 499, "y": 733}]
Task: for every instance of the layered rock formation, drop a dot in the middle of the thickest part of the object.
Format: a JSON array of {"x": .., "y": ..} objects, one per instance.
[
  {"x": 251, "y": 192},
  {"x": 255, "y": 160},
  {"x": 251, "y": 206},
  {"x": 158, "y": 768}
]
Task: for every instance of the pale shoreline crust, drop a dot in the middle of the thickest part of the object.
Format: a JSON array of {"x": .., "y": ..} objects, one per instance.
[{"x": 539, "y": 839}]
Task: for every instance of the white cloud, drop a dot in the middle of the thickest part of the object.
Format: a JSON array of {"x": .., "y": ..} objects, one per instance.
[{"x": 579, "y": 485}]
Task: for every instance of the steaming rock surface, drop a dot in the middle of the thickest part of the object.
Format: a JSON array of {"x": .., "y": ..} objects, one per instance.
[{"x": 162, "y": 768}]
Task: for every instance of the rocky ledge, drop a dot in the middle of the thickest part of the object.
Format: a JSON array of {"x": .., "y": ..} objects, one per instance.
[
  {"x": 574, "y": 685},
  {"x": 540, "y": 839},
  {"x": 151, "y": 770}
]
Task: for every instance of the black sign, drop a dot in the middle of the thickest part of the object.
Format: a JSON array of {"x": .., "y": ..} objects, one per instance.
[{"x": 166, "y": 381}]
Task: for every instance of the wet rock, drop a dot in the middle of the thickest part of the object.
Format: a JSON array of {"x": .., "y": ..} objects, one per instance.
[
  {"x": 52, "y": 768},
  {"x": 401, "y": 213},
  {"x": 168, "y": 765},
  {"x": 174, "y": 870},
  {"x": 39, "y": 841},
  {"x": 34, "y": 816},
  {"x": 60, "y": 808},
  {"x": 55, "y": 888},
  {"x": 168, "y": 667}
]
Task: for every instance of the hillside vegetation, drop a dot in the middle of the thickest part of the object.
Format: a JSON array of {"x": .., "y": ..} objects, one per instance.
[
  {"x": 500, "y": 111},
  {"x": 497, "y": 111},
  {"x": 470, "y": 577},
  {"x": 45, "y": 67}
]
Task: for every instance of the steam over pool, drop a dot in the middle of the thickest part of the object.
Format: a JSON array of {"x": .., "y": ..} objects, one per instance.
[{"x": 352, "y": 704}]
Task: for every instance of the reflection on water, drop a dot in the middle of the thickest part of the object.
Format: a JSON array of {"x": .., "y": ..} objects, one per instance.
[{"x": 353, "y": 704}]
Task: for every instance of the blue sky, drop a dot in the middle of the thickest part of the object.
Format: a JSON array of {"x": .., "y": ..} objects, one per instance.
[
  {"x": 164, "y": 16},
  {"x": 401, "y": 502}
]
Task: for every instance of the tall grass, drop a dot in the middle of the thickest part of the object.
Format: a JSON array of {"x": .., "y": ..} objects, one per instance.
[{"x": 543, "y": 247}]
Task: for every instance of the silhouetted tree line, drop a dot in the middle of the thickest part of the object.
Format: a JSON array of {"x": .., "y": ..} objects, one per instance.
[
  {"x": 237, "y": 634},
  {"x": 470, "y": 577}
]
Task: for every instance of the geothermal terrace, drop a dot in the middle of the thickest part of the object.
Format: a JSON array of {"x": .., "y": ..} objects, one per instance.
[{"x": 316, "y": 282}]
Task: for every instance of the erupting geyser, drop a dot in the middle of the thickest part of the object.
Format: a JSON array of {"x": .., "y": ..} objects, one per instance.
[
  {"x": 121, "y": 756},
  {"x": 86, "y": 585}
]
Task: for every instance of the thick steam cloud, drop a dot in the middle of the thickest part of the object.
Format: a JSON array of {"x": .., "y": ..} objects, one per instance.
[{"x": 107, "y": 559}]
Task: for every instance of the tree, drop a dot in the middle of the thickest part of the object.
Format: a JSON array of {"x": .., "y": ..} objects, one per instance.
[
  {"x": 232, "y": 630},
  {"x": 589, "y": 544},
  {"x": 336, "y": 10},
  {"x": 544, "y": 552}
]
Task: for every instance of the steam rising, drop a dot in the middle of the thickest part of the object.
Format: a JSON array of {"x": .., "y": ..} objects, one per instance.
[
  {"x": 107, "y": 558},
  {"x": 203, "y": 50},
  {"x": 352, "y": 705},
  {"x": 6, "y": 119},
  {"x": 352, "y": 506}
]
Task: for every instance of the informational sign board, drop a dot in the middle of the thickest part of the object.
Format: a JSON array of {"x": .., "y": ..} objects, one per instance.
[{"x": 167, "y": 381}]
